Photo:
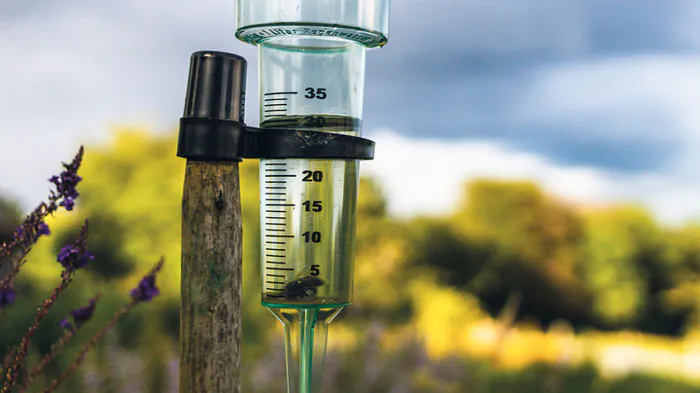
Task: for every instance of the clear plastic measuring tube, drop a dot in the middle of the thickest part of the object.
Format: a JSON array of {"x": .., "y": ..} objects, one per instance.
[
  {"x": 308, "y": 205},
  {"x": 312, "y": 66}
]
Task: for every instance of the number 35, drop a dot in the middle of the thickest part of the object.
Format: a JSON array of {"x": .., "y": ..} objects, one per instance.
[{"x": 319, "y": 93}]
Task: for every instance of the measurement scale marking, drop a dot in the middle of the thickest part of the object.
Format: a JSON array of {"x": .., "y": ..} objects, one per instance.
[
  {"x": 274, "y": 282},
  {"x": 280, "y": 175},
  {"x": 280, "y": 92},
  {"x": 275, "y": 211},
  {"x": 289, "y": 269},
  {"x": 276, "y": 218},
  {"x": 288, "y": 236},
  {"x": 275, "y": 223},
  {"x": 284, "y": 104},
  {"x": 276, "y": 163},
  {"x": 275, "y": 110},
  {"x": 276, "y": 262},
  {"x": 275, "y": 242},
  {"x": 275, "y": 170},
  {"x": 276, "y": 99},
  {"x": 276, "y": 182},
  {"x": 275, "y": 275},
  {"x": 274, "y": 230},
  {"x": 275, "y": 249},
  {"x": 276, "y": 256}
]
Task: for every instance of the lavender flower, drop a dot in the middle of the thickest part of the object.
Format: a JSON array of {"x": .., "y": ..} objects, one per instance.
[
  {"x": 83, "y": 314},
  {"x": 67, "y": 203},
  {"x": 80, "y": 315},
  {"x": 66, "y": 324},
  {"x": 65, "y": 185},
  {"x": 39, "y": 228},
  {"x": 19, "y": 233},
  {"x": 75, "y": 256},
  {"x": 146, "y": 290},
  {"x": 33, "y": 226},
  {"x": 7, "y": 296},
  {"x": 70, "y": 257},
  {"x": 43, "y": 229}
]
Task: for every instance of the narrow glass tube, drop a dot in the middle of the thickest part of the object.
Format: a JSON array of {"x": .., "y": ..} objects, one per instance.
[{"x": 308, "y": 206}]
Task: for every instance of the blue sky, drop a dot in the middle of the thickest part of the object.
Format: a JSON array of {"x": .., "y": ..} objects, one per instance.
[{"x": 596, "y": 99}]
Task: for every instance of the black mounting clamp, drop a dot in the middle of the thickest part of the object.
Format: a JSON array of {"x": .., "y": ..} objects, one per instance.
[{"x": 212, "y": 128}]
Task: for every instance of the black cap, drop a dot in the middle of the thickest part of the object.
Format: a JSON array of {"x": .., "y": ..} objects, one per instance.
[{"x": 216, "y": 86}]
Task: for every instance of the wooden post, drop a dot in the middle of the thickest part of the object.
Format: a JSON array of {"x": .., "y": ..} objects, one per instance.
[{"x": 210, "y": 320}]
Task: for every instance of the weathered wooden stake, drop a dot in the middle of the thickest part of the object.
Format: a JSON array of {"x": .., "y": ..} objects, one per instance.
[{"x": 210, "y": 320}]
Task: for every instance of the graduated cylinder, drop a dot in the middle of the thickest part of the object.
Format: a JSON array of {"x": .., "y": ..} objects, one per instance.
[{"x": 308, "y": 206}]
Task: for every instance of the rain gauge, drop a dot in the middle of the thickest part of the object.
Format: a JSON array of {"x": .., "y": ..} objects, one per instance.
[{"x": 311, "y": 69}]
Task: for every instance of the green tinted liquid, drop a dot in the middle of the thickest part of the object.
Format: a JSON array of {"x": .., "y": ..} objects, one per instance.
[{"x": 308, "y": 213}]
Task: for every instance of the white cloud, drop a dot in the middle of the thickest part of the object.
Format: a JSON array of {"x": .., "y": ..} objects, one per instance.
[
  {"x": 652, "y": 97},
  {"x": 619, "y": 91},
  {"x": 427, "y": 177}
]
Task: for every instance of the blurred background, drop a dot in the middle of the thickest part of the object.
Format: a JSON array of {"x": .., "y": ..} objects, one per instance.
[{"x": 530, "y": 222}]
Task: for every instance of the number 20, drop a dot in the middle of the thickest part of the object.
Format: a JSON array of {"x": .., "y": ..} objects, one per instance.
[{"x": 316, "y": 176}]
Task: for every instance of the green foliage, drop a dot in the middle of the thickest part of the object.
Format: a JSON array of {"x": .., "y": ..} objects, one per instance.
[
  {"x": 612, "y": 267},
  {"x": 649, "y": 384},
  {"x": 613, "y": 244},
  {"x": 10, "y": 218}
]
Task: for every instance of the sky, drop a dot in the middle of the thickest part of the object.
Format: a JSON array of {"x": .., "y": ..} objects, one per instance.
[{"x": 595, "y": 99}]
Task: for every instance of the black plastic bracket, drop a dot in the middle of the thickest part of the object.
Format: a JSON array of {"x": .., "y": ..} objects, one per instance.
[
  {"x": 225, "y": 140},
  {"x": 213, "y": 128}
]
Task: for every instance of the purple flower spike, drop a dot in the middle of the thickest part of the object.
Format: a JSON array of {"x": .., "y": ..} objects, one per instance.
[
  {"x": 43, "y": 229},
  {"x": 7, "y": 296},
  {"x": 19, "y": 233},
  {"x": 68, "y": 253},
  {"x": 69, "y": 257},
  {"x": 83, "y": 261},
  {"x": 66, "y": 324},
  {"x": 67, "y": 203},
  {"x": 83, "y": 314},
  {"x": 65, "y": 185},
  {"x": 146, "y": 290}
]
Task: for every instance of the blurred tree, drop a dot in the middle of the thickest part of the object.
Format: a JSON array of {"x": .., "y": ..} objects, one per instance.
[
  {"x": 632, "y": 263},
  {"x": 381, "y": 267},
  {"x": 10, "y": 218},
  {"x": 682, "y": 297},
  {"x": 611, "y": 248},
  {"x": 517, "y": 238}
]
